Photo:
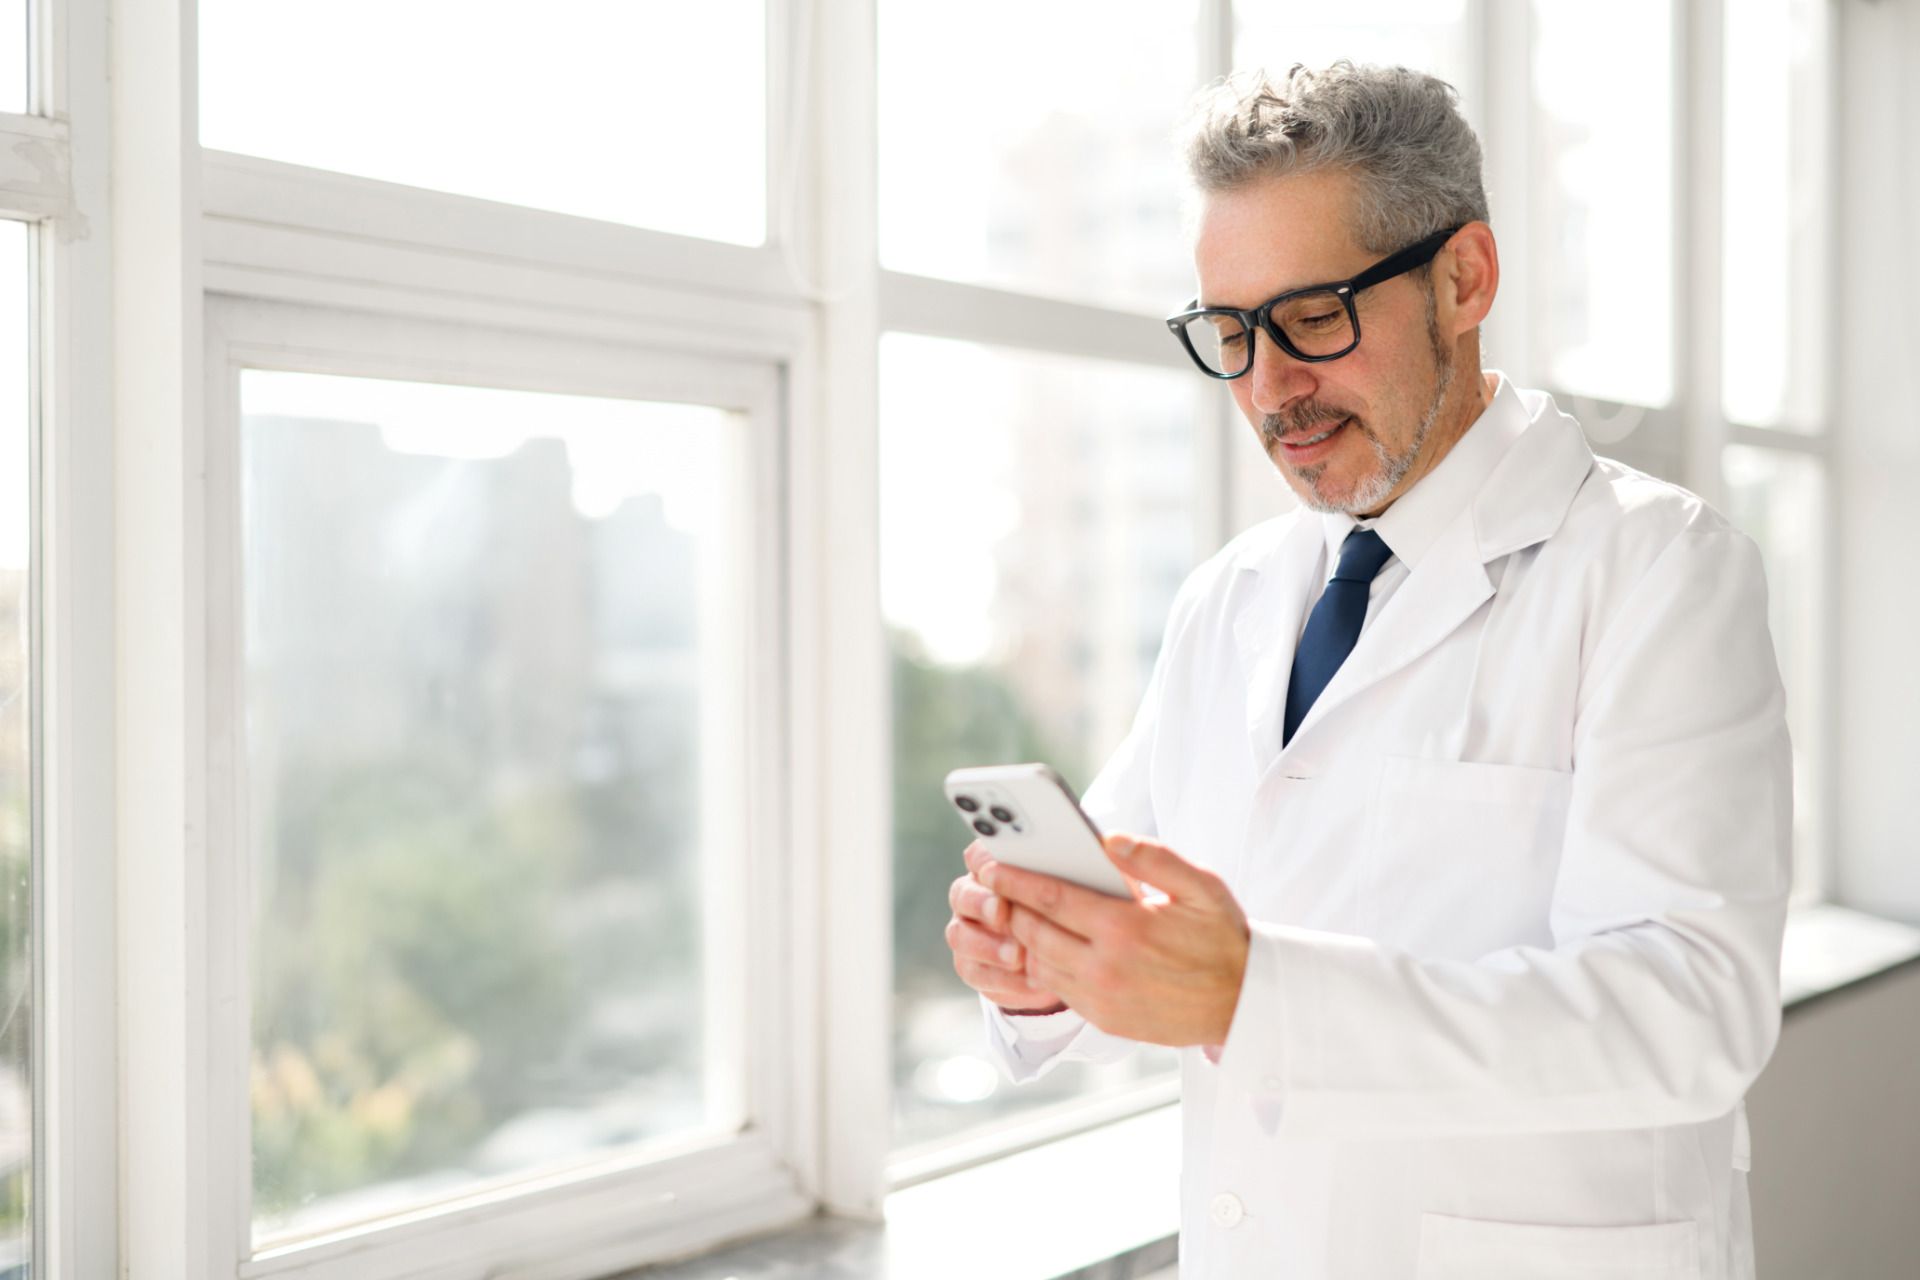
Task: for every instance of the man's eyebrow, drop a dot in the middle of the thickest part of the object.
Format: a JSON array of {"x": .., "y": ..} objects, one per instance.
[{"x": 1227, "y": 306}]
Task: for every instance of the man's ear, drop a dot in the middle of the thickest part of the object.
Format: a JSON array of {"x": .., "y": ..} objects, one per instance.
[{"x": 1466, "y": 277}]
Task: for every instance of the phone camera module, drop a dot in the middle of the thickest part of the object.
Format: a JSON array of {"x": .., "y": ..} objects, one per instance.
[
  {"x": 967, "y": 804},
  {"x": 1004, "y": 814},
  {"x": 984, "y": 827}
]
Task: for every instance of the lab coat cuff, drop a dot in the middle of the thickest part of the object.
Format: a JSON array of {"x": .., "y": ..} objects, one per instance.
[{"x": 1274, "y": 1029}]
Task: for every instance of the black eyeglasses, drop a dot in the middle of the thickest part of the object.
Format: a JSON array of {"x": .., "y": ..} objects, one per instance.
[{"x": 1315, "y": 323}]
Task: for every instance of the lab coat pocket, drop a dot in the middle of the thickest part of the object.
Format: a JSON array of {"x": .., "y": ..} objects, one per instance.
[
  {"x": 1480, "y": 1249},
  {"x": 1461, "y": 856}
]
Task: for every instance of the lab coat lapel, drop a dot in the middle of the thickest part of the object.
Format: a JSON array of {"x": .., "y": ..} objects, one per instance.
[
  {"x": 1522, "y": 502},
  {"x": 1446, "y": 589}
]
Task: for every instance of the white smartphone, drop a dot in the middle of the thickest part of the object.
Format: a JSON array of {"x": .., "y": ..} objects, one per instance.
[{"x": 1027, "y": 816}]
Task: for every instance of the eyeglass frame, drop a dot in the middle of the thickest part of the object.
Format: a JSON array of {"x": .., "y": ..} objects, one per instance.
[{"x": 1260, "y": 318}]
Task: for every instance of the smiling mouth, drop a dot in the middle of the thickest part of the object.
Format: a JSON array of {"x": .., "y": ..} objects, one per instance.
[{"x": 1296, "y": 442}]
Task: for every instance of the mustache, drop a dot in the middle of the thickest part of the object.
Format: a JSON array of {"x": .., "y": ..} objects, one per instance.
[{"x": 1301, "y": 420}]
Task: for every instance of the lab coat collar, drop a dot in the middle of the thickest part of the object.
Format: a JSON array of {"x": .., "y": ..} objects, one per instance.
[
  {"x": 1419, "y": 516},
  {"x": 1543, "y": 460}
]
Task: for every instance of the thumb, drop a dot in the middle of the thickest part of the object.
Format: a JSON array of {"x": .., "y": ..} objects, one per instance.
[{"x": 1141, "y": 859}]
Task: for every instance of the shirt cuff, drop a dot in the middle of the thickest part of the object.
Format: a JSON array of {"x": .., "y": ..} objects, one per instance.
[{"x": 1041, "y": 1026}]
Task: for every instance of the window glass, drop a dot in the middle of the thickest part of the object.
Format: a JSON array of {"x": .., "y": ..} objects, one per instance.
[
  {"x": 495, "y": 663},
  {"x": 1778, "y": 498},
  {"x": 652, "y": 115},
  {"x": 1775, "y": 332},
  {"x": 1037, "y": 516},
  {"x": 17, "y": 797},
  {"x": 1602, "y": 295},
  {"x": 1003, "y": 162}
]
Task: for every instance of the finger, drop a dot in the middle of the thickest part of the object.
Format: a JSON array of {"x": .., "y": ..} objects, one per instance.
[
  {"x": 1008, "y": 990},
  {"x": 969, "y": 940},
  {"x": 1161, "y": 867},
  {"x": 1061, "y": 952},
  {"x": 1073, "y": 907},
  {"x": 975, "y": 854},
  {"x": 972, "y": 900}
]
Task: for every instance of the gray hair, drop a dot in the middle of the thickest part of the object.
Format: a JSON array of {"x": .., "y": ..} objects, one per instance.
[{"x": 1398, "y": 133}]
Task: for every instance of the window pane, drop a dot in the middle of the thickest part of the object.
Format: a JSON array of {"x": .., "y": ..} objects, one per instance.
[
  {"x": 1602, "y": 199},
  {"x": 1775, "y": 329},
  {"x": 17, "y": 797},
  {"x": 495, "y": 663},
  {"x": 1428, "y": 35},
  {"x": 1037, "y": 516},
  {"x": 648, "y": 114},
  {"x": 1004, "y": 163},
  {"x": 13, "y": 56},
  {"x": 1778, "y": 498}
]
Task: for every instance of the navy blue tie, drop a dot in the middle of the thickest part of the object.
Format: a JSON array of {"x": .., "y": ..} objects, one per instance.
[{"x": 1334, "y": 624}]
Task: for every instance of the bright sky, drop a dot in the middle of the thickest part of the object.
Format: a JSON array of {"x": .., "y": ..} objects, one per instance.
[
  {"x": 618, "y": 448},
  {"x": 1618, "y": 164},
  {"x": 944, "y": 127},
  {"x": 648, "y": 112},
  {"x": 944, "y": 496}
]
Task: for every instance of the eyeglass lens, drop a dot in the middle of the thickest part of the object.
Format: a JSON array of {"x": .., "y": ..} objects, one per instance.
[{"x": 1317, "y": 324}]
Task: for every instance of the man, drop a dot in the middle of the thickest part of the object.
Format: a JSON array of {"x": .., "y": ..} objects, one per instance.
[{"x": 1467, "y": 783}]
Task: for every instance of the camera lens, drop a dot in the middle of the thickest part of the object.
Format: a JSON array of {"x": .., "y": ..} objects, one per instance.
[
  {"x": 984, "y": 827},
  {"x": 1005, "y": 815},
  {"x": 968, "y": 803}
]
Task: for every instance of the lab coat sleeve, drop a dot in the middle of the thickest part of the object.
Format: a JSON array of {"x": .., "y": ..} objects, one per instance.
[
  {"x": 1119, "y": 798},
  {"x": 1658, "y": 1002}
]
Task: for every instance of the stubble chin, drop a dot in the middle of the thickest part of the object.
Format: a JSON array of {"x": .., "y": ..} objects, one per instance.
[{"x": 1311, "y": 484}]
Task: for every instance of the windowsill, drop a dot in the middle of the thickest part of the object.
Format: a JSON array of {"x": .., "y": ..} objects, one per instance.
[
  {"x": 1104, "y": 1205},
  {"x": 1831, "y": 948}
]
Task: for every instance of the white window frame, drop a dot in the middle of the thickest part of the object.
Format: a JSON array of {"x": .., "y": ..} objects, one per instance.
[
  {"x": 613, "y": 1208},
  {"x": 199, "y": 227},
  {"x": 53, "y": 176},
  {"x": 1709, "y": 432},
  {"x": 129, "y": 1014}
]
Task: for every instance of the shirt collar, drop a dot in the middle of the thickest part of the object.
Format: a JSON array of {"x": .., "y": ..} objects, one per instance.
[{"x": 1414, "y": 522}]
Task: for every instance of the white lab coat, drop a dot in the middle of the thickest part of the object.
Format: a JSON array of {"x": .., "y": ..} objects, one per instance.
[{"x": 1516, "y": 888}]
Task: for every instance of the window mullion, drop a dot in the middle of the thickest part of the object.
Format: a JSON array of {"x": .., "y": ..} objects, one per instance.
[
  {"x": 175, "y": 1221},
  {"x": 1504, "y": 57},
  {"x": 979, "y": 313},
  {"x": 1215, "y": 39},
  {"x": 840, "y": 771},
  {"x": 1698, "y": 187},
  {"x": 77, "y": 1198}
]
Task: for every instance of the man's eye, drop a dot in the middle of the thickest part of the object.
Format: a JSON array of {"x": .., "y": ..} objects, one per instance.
[
  {"x": 1233, "y": 339},
  {"x": 1320, "y": 321}
]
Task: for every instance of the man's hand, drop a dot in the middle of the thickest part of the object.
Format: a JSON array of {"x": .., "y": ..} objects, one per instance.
[
  {"x": 984, "y": 955},
  {"x": 1162, "y": 972}
]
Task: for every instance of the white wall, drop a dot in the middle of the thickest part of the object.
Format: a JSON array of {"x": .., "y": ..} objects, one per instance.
[
  {"x": 1877, "y": 436},
  {"x": 1836, "y": 1130}
]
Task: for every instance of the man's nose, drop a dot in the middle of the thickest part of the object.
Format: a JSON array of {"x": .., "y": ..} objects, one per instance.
[{"x": 1277, "y": 378}]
